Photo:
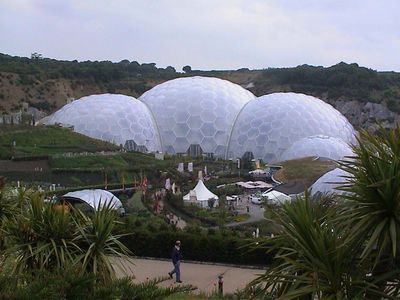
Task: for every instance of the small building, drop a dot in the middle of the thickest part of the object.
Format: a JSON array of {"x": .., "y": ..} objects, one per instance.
[
  {"x": 276, "y": 197},
  {"x": 254, "y": 186}
]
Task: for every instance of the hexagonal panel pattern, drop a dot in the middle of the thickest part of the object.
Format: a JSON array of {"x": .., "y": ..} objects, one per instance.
[
  {"x": 319, "y": 145},
  {"x": 112, "y": 118},
  {"x": 196, "y": 110},
  {"x": 270, "y": 124}
]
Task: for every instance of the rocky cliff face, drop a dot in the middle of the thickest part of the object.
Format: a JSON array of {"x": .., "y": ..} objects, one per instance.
[{"x": 366, "y": 114}]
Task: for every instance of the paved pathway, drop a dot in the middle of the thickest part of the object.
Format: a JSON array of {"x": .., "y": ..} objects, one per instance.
[
  {"x": 203, "y": 276},
  {"x": 256, "y": 214}
]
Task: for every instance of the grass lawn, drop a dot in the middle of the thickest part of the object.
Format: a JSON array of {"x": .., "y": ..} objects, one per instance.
[
  {"x": 304, "y": 170},
  {"x": 135, "y": 202},
  {"x": 46, "y": 140},
  {"x": 115, "y": 162}
]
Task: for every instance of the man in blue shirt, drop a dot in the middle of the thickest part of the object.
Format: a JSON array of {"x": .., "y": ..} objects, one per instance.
[{"x": 176, "y": 261}]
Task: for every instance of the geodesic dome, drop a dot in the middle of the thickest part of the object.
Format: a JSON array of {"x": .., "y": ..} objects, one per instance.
[
  {"x": 328, "y": 182},
  {"x": 270, "y": 124},
  {"x": 196, "y": 111},
  {"x": 319, "y": 145},
  {"x": 95, "y": 198},
  {"x": 110, "y": 117}
]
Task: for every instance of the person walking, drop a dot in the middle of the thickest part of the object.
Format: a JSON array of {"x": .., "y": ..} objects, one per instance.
[{"x": 176, "y": 261}]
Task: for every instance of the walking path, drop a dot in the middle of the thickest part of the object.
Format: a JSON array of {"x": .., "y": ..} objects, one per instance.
[
  {"x": 203, "y": 276},
  {"x": 256, "y": 213}
]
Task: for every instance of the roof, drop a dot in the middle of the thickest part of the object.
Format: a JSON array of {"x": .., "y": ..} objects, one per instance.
[
  {"x": 254, "y": 185},
  {"x": 201, "y": 192},
  {"x": 95, "y": 198},
  {"x": 276, "y": 196}
]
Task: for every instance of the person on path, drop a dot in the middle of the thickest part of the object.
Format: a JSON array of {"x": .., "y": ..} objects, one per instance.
[{"x": 176, "y": 261}]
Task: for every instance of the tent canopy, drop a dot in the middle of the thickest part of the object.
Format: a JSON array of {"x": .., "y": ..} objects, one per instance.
[
  {"x": 275, "y": 196},
  {"x": 95, "y": 198},
  {"x": 201, "y": 192}
]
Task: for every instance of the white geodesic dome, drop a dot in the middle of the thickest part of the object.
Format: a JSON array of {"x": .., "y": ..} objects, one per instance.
[
  {"x": 110, "y": 117},
  {"x": 328, "y": 182},
  {"x": 319, "y": 145},
  {"x": 196, "y": 111},
  {"x": 95, "y": 198},
  {"x": 270, "y": 124}
]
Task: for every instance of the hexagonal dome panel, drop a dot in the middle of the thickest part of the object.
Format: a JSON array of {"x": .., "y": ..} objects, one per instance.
[
  {"x": 285, "y": 119},
  {"x": 207, "y": 105},
  {"x": 110, "y": 117},
  {"x": 328, "y": 182},
  {"x": 320, "y": 145}
]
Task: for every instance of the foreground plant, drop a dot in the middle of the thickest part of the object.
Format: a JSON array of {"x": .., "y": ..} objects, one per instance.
[
  {"x": 371, "y": 208},
  {"x": 70, "y": 284},
  {"x": 98, "y": 243},
  {"x": 311, "y": 258}
]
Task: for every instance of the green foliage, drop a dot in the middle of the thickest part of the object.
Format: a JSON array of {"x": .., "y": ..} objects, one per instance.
[
  {"x": 223, "y": 246},
  {"x": 114, "y": 162},
  {"x": 312, "y": 257},
  {"x": 39, "y": 141},
  {"x": 97, "y": 71},
  {"x": 95, "y": 237},
  {"x": 372, "y": 206},
  {"x": 46, "y": 237},
  {"x": 341, "y": 80},
  {"x": 345, "y": 247},
  {"x": 69, "y": 284}
]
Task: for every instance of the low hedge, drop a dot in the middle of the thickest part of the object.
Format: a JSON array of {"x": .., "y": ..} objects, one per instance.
[{"x": 196, "y": 246}]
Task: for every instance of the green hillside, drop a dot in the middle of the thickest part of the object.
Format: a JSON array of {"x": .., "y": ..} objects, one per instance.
[
  {"x": 46, "y": 83},
  {"x": 23, "y": 141}
]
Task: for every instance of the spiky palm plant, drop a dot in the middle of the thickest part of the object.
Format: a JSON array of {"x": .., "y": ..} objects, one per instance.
[
  {"x": 371, "y": 206},
  {"x": 98, "y": 242},
  {"x": 311, "y": 258},
  {"x": 40, "y": 237}
]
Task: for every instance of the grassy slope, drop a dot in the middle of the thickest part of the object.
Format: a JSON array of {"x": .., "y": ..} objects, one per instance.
[
  {"x": 305, "y": 170},
  {"x": 37, "y": 141}
]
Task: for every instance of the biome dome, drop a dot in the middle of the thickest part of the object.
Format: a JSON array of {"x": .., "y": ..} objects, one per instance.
[
  {"x": 319, "y": 145},
  {"x": 196, "y": 111},
  {"x": 330, "y": 181},
  {"x": 270, "y": 124},
  {"x": 112, "y": 118},
  {"x": 206, "y": 115}
]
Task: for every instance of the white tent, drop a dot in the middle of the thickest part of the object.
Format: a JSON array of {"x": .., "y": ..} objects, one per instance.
[
  {"x": 200, "y": 195},
  {"x": 95, "y": 198},
  {"x": 276, "y": 197}
]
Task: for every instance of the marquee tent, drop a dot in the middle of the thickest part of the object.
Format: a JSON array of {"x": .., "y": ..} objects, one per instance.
[
  {"x": 276, "y": 197},
  {"x": 200, "y": 195}
]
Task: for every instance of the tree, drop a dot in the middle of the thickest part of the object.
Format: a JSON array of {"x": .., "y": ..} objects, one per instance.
[
  {"x": 170, "y": 69},
  {"x": 347, "y": 247},
  {"x": 36, "y": 55},
  {"x": 187, "y": 69},
  {"x": 371, "y": 209},
  {"x": 312, "y": 259}
]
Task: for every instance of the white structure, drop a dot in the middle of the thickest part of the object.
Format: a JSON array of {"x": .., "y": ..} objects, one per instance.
[
  {"x": 112, "y": 118},
  {"x": 200, "y": 195},
  {"x": 212, "y": 117},
  {"x": 196, "y": 111},
  {"x": 95, "y": 199},
  {"x": 328, "y": 182},
  {"x": 320, "y": 146},
  {"x": 270, "y": 124},
  {"x": 276, "y": 197}
]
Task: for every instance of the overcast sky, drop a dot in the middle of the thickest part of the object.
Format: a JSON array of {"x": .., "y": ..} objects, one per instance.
[{"x": 206, "y": 34}]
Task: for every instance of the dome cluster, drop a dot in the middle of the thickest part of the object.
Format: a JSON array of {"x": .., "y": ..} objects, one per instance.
[{"x": 210, "y": 116}]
